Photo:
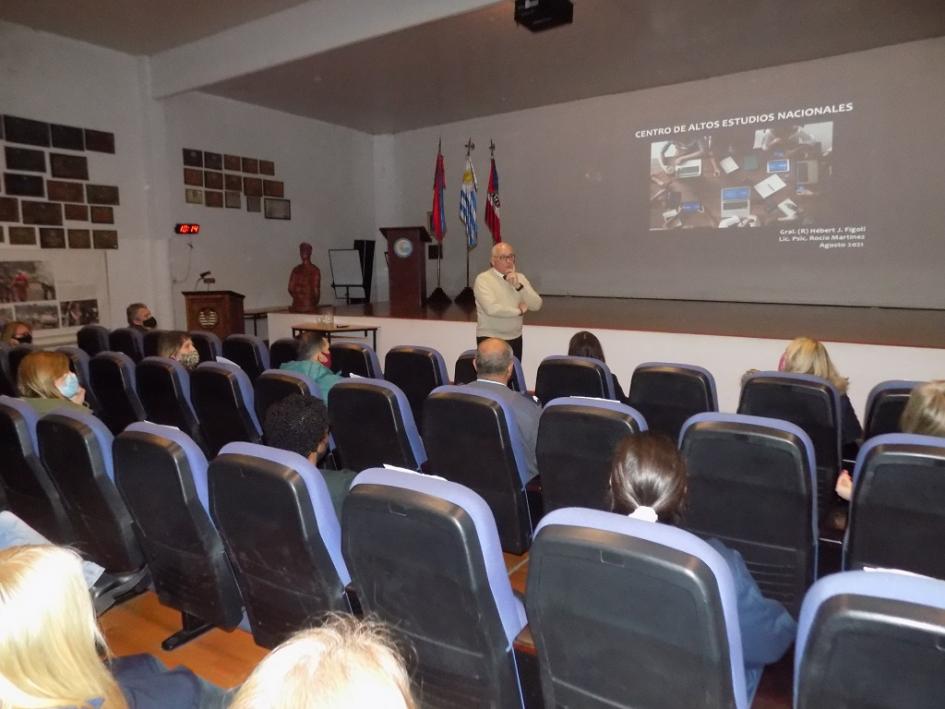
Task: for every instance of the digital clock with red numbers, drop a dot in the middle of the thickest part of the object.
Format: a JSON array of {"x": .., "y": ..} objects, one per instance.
[{"x": 186, "y": 228}]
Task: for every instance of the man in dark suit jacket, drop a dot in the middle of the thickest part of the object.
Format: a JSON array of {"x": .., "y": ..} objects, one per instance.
[{"x": 494, "y": 364}]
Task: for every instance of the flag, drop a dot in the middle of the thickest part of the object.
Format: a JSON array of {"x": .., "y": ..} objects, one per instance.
[
  {"x": 492, "y": 205},
  {"x": 467, "y": 205},
  {"x": 439, "y": 190}
]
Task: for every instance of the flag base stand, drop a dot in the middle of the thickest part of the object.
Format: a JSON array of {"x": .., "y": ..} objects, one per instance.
[
  {"x": 466, "y": 297},
  {"x": 439, "y": 297}
]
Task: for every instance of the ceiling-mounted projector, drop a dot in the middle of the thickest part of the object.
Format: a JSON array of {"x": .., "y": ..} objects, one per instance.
[{"x": 538, "y": 15}]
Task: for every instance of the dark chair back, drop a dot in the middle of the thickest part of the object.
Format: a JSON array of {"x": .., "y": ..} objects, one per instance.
[
  {"x": 897, "y": 511},
  {"x": 17, "y": 355},
  {"x": 285, "y": 349},
  {"x": 76, "y": 449},
  {"x": 112, "y": 376},
  {"x": 164, "y": 390},
  {"x": 128, "y": 340},
  {"x": 92, "y": 339},
  {"x": 668, "y": 394},
  {"x": 455, "y": 605},
  {"x": 417, "y": 371},
  {"x": 576, "y": 442},
  {"x": 471, "y": 438},
  {"x": 355, "y": 358},
  {"x": 276, "y": 384},
  {"x": 222, "y": 396},
  {"x": 208, "y": 345},
  {"x": 752, "y": 484},
  {"x": 7, "y": 383},
  {"x": 809, "y": 402},
  {"x": 372, "y": 424},
  {"x": 627, "y": 613},
  {"x": 564, "y": 375},
  {"x": 162, "y": 475},
  {"x": 30, "y": 492},
  {"x": 871, "y": 639},
  {"x": 281, "y": 533},
  {"x": 884, "y": 407},
  {"x": 150, "y": 342},
  {"x": 249, "y": 352}
]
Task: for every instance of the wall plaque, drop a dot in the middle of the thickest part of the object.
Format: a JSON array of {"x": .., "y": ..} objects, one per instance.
[
  {"x": 193, "y": 177},
  {"x": 213, "y": 180},
  {"x": 76, "y": 212},
  {"x": 75, "y": 167},
  {"x": 253, "y": 204},
  {"x": 23, "y": 130},
  {"x": 22, "y": 235},
  {"x": 24, "y": 185},
  {"x": 192, "y": 196},
  {"x": 273, "y": 188},
  {"x": 251, "y": 165},
  {"x": 100, "y": 141},
  {"x": 231, "y": 162},
  {"x": 50, "y": 238},
  {"x": 67, "y": 137},
  {"x": 252, "y": 186},
  {"x": 80, "y": 239},
  {"x": 9, "y": 209},
  {"x": 47, "y": 213},
  {"x": 233, "y": 182},
  {"x": 278, "y": 209},
  {"x": 101, "y": 194},
  {"x": 102, "y": 215},
  {"x": 104, "y": 239},
  {"x": 267, "y": 167},
  {"x": 213, "y": 199},
  {"x": 212, "y": 161},
  {"x": 234, "y": 200},
  {"x": 65, "y": 191},
  {"x": 25, "y": 159},
  {"x": 193, "y": 158}
]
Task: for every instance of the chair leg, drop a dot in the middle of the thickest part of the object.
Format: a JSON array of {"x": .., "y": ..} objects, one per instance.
[{"x": 193, "y": 627}]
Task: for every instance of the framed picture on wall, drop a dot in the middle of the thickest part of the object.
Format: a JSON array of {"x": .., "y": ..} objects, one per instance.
[{"x": 277, "y": 208}]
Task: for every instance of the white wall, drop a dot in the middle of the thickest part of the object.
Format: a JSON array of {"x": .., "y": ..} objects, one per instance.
[
  {"x": 49, "y": 78},
  {"x": 328, "y": 176}
]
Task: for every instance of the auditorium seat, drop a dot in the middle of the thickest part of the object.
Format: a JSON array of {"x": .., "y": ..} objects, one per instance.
[
  {"x": 752, "y": 485},
  {"x": 275, "y": 384},
  {"x": 897, "y": 510},
  {"x": 222, "y": 396},
  {"x": 76, "y": 448},
  {"x": 150, "y": 343},
  {"x": 79, "y": 363},
  {"x": 30, "y": 492},
  {"x": 806, "y": 401},
  {"x": 884, "y": 406},
  {"x": 355, "y": 358},
  {"x": 164, "y": 390},
  {"x": 425, "y": 558},
  {"x": 471, "y": 438},
  {"x": 275, "y": 515},
  {"x": 871, "y": 639},
  {"x": 565, "y": 375},
  {"x": 128, "y": 340},
  {"x": 7, "y": 383},
  {"x": 249, "y": 352},
  {"x": 465, "y": 372},
  {"x": 626, "y": 613},
  {"x": 285, "y": 349},
  {"x": 667, "y": 394},
  {"x": 372, "y": 424},
  {"x": 17, "y": 355},
  {"x": 417, "y": 371},
  {"x": 162, "y": 475},
  {"x": 576, "y": 442},
  {"x": 208, "y": 345},
  {"x": 112, "y": 376},
  {"x": 92, "y": 339}
]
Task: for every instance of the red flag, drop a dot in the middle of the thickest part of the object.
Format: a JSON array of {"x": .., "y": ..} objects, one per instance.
[
  {"x": 492, "y": 205},
  {"x": 439, "y": 189}
]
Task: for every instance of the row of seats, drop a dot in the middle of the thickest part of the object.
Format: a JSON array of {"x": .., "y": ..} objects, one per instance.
[{"x": 255, "y": 530}]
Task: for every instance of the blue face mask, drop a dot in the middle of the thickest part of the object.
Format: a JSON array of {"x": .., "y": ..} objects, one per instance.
[{"x": 70, "y": 387}]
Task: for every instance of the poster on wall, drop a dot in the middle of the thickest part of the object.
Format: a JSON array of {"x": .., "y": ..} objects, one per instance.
[
  {"x": 76, "y": 313},
  {"x": 39, "y": 316}
]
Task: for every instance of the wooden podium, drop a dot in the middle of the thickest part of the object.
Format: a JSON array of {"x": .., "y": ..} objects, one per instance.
[
  {"x": 217, "y": 311},
  {"x": 407, "y": 265}
]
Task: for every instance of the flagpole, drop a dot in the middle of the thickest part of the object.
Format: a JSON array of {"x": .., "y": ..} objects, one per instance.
[
  {"x": 438, "y": 297},
  {"x": 466, "y": 297}
]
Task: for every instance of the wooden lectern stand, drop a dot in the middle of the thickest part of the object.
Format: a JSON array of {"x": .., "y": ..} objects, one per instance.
[
  {"x": 217, "y": 311},
  {"x": 407, "y": 265}
]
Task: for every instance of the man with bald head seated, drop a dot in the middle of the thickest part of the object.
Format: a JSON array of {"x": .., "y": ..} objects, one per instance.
[{"x": 494, "y": 367}]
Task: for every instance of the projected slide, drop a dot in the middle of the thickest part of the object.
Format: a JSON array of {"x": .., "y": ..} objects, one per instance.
[{"x": 742, "y": 177}]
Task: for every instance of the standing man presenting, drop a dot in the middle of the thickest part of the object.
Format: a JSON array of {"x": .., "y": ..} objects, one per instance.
[{"x": 503, "y": 296}]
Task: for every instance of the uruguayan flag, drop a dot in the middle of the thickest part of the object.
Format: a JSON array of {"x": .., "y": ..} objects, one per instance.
[{"x": 467, "y": 205}]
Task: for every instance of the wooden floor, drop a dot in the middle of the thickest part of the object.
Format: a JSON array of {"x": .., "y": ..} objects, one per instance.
[
  {"x": 879, "y": 326},
  {"x": 226, "y": 659}
]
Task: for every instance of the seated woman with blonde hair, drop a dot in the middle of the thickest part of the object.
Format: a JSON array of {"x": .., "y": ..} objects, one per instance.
[
  {"x": 50, "y": 644},
  {"x": 46, "y": 382},
  {"x": 16, "y": 333},
  {"x": 805, "y": 355},
  {"x": 177, "y": 345},
  {"x": 344, "y": 663},
  {"x": 924, "y": 415}
]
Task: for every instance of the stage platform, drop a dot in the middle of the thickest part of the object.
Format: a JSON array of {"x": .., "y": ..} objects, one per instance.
[{"x": 868, "y": 345}]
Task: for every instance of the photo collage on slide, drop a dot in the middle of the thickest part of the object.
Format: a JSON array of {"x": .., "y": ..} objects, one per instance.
[
  {"x": 742, "y": 177},
  {"x": 28, "y": 293}
]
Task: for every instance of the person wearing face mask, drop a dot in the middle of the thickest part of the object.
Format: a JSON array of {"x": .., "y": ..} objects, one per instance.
[
  {"x": 139, "y": 317},
  {"x": 177, "y": 345},
  {"x": 16, "y": 333},
  {"x": 315, "y": 362},
  {"x": 46, "y": 383}
]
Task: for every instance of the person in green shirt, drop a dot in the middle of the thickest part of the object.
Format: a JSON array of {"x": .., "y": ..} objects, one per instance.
[{"x": 315, "y": 362}]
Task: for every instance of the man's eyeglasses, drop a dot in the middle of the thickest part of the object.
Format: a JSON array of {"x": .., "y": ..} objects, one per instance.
[{"x": 506, "y": 257}]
